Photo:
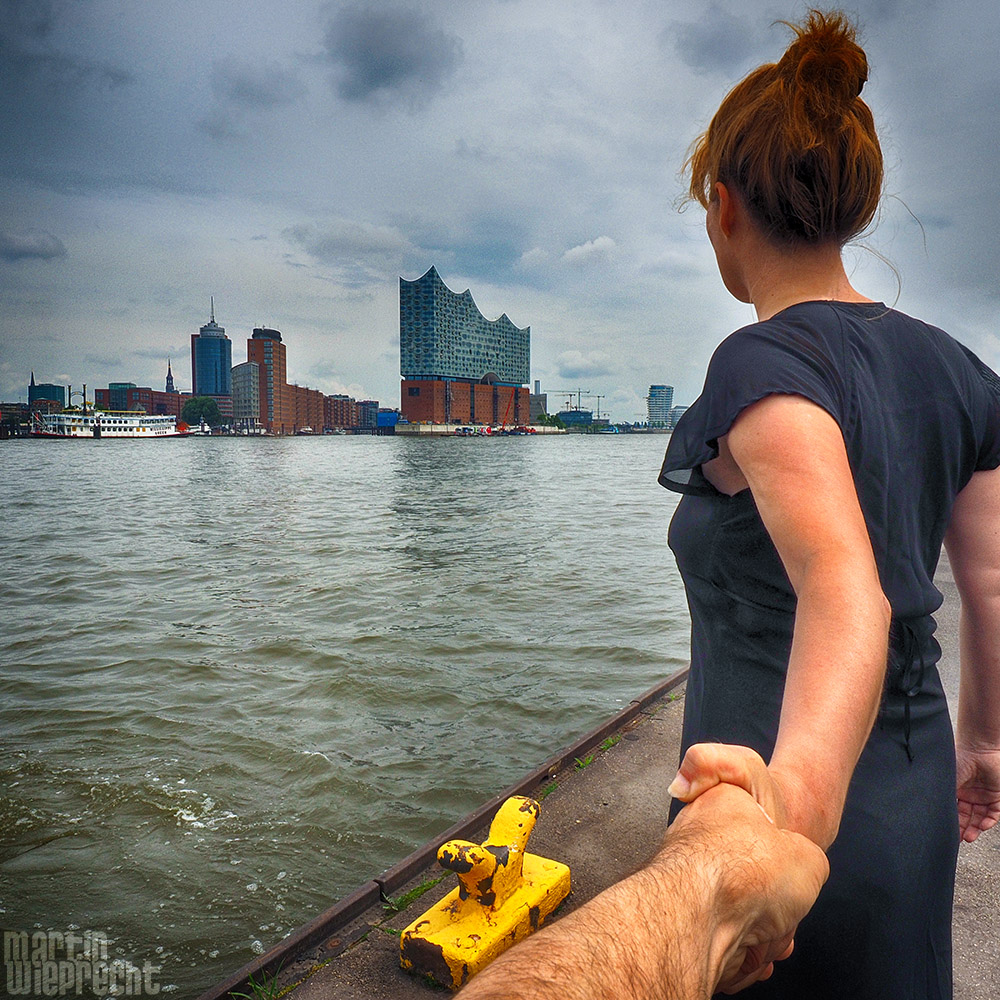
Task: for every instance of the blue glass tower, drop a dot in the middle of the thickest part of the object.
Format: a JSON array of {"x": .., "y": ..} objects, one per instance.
[{"x": 211, "y": 360}]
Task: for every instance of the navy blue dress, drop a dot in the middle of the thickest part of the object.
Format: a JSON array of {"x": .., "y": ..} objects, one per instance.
[{"x": 919, "y": 414}]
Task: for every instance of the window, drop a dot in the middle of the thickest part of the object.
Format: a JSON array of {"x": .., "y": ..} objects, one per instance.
[{"x": 413, "y": 390}]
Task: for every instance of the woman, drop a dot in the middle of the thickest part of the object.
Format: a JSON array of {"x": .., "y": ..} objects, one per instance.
[{"x": 834, "y": 444}]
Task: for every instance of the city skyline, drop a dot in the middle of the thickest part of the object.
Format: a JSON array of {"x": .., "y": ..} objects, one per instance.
[{"x": 296, "y": 165}]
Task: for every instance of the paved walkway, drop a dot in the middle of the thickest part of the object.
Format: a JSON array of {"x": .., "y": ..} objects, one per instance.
[{"x": 603, "y": 821}]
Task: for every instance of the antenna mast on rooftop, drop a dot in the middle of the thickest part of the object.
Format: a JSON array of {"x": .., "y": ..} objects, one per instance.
[{"x": 213, "y": 310}]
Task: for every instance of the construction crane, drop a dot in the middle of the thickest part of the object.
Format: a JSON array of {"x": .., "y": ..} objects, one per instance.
[
  {"x": 570, "y": 393},
  {"x": 599, "y": 398}
]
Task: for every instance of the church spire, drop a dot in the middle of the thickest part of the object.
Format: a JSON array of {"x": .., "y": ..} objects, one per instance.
[
  {"x": 32, "y": 377},
  {"x": 170, "y": 378}
]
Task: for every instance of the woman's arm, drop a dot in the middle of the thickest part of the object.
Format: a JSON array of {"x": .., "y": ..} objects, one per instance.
[
  {"x": 791, "y": 454},
  {"x": 973, "y": 544}
]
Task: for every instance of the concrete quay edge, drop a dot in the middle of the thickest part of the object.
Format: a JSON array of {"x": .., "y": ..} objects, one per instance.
[{"x": 326, "y": 925}]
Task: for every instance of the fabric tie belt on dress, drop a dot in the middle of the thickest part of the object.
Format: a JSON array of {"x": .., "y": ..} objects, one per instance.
[{"x": 906, "y": 676}]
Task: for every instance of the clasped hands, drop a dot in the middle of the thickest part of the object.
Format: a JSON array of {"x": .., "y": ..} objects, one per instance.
[{"x": 769, "y": 876}]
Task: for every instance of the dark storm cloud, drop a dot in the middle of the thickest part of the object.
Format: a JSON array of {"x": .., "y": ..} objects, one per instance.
[
  {"x": 380, "y": 52},
  {"x": 30, "y": 246},
  {"x": 221, "y": 125},
  {"x": 28, "y": 17},
  {"x": 30, "y": 63},
  {"x": 50, "y": 95},
  {"x": 344, "y": 240},
  {"x": 720, "y": 41},
  {"x": 356, "y": 254},
  {"x": 109, "y": 361},
  {"x": 257, "y": 85},
  {"x": 242, "y": 88},
  {"x": 159, "y": 354}
]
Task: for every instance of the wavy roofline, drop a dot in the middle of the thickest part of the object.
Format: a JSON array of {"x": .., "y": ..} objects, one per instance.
[{"x": 433, "y": 272}]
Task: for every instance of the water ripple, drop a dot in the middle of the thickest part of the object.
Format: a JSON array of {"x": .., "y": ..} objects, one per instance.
[{"x": 241, "y": 677}]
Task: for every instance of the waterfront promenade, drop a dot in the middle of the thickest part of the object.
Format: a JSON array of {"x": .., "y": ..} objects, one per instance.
[{"x": 603, "y": 820}]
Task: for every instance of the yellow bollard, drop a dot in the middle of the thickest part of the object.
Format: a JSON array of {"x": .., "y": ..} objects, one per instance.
[{"x": 503, "y": 895}]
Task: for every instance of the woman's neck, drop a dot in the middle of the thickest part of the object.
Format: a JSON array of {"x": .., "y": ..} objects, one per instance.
[{"x": 777, "y": 278}]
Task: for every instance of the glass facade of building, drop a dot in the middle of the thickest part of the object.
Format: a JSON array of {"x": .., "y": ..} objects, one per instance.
[
  {"x": 443, "y": 335},
  {"x": 658, "y": 405},
  {"x": 246, "y": 394},
  {"x": 211, "y": 361},
  {"x": 46, "y": 390},
  {"x": 118, "y": 395}
]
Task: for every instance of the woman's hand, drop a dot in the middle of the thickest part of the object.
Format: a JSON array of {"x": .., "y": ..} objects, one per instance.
[
  {"x": 978, "y": 779},
  {"x": 708, "y": 764}
]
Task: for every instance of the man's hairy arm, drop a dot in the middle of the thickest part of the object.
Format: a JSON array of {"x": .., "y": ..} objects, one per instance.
[{"x": 724, "y": 894}]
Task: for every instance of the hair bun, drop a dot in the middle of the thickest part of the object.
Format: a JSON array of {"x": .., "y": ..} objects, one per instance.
[{"x": 825, "y": 67}]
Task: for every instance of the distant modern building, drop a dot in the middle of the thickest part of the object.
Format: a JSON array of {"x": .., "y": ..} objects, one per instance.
[
  {"x": 129, "y": 396},
  {"x": 339, "y": 411},
  {"x": 212, "y": 364},
  {"x": 287, "y": 409},
  {"x": 246, "y": 396},
  {"x": 308, "y": 409},
  {"x": 538, "y": 403},
  {"x": 46, "y": 390},
  {"x": 457, "y": 366},
  {"x": 675, "y": 414},
  {"x": 576, "y": 418},
  {"x": 386, "y": 418},
  {"x": 118, "y": 395},
  {"x": 658, "y": 404}
]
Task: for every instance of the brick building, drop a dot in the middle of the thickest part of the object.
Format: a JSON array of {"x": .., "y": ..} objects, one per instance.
[
  {"x": 128, "y": 396},
  {"x": 308, "y": 408},
  {"x": 340, "y": 411},
  {"x": 277, "y": 409}
]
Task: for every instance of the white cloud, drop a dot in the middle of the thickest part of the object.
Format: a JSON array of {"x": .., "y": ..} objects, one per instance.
[
  {"x": 593, "y": 251},
  {"x": 577, "y": 364}
]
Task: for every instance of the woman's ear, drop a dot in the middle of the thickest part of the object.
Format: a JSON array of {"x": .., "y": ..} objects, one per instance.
[{"x": 728, "y": 208}]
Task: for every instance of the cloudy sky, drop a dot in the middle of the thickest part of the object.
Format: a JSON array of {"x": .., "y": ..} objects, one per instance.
[{"x": 294, "y": 159}]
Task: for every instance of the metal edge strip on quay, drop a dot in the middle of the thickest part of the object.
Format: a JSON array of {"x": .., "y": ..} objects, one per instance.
[{"x": 327, "y": 923}]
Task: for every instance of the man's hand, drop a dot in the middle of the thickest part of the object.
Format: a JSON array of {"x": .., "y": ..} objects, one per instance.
[{"x": 767, "y": 881}]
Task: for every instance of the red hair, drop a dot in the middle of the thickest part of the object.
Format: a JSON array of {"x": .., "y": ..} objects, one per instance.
[{"x": 796, "y": 141}]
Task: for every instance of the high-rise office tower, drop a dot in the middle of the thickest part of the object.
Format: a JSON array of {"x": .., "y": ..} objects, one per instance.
[
  {"x": 212, "y": 363},
  {"x": 267, "y": 350}
]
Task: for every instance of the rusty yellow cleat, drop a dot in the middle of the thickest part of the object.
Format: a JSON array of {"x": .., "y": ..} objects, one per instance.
[{"x": 503, "y": 894}]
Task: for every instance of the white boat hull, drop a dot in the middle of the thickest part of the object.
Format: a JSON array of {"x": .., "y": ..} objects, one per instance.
[{"x": 107, "y": 424}]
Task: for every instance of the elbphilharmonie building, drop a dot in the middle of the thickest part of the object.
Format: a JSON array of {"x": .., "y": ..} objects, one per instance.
[{"x": 458, "y": 366}]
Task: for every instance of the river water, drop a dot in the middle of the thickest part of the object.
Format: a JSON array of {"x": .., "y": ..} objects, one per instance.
[{"x": 242, "y": 676}]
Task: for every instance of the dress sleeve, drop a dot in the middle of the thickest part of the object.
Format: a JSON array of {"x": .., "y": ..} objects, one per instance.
[
  {"x": 989, "y": 444},
  {"x": 770, "y": 358}
]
